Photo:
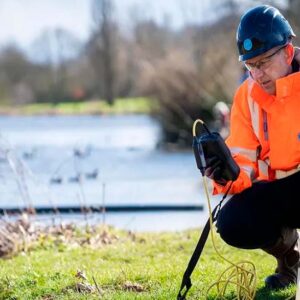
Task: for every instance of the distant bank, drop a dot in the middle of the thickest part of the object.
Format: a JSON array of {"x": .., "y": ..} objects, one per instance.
[{"x": 94, "y": 107}]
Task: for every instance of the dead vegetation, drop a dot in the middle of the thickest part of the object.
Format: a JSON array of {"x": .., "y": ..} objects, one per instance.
[
  {"x": 84, "y": 286},
  {"x": 22, "y": 235}
]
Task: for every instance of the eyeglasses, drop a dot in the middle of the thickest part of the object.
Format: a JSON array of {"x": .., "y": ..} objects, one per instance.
[{"x": 264, "y": 63}]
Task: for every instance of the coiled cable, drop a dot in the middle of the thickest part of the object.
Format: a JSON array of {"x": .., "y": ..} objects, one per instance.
[{"x": 242, "y": 275}]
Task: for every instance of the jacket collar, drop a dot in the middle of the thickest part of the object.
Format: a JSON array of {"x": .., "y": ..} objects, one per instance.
[{"x": 284, "y": 89}]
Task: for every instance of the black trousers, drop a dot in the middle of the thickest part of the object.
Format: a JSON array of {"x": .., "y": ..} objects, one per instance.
[{"x": 254, "y": 218}]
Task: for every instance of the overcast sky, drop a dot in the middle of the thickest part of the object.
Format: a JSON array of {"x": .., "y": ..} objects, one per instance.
[{"x": 22, "y": 21}]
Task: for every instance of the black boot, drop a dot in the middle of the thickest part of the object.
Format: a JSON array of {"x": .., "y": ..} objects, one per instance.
[{"x": 286, "y": 252}]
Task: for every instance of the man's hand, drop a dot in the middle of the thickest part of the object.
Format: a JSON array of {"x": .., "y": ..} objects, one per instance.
[{"x": 214, "y": 170}]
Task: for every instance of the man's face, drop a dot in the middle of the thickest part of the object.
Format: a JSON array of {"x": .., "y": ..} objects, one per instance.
[{"x": 266, "y": 68}]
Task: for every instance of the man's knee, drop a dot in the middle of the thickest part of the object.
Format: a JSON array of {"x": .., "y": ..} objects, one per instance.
[
  {"x": 229, "y": 229},
  {"x": 243, "y": 229},
  {"x": 236, "y": 223}
]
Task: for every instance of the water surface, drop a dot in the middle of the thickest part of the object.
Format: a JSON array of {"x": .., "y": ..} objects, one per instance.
[{"x": 98, "y": 160}]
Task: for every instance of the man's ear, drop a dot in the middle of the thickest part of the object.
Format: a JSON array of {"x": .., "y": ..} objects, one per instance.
[
  {"x": 290, "y": 52},
  {"x": 297, "y": 54}
]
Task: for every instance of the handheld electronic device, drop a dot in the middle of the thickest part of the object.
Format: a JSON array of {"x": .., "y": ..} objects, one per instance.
[{"x": 211, "y": 145}]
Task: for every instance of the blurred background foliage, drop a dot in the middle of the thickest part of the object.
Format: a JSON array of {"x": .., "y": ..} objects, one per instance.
[{"x": 184, "y": 71}]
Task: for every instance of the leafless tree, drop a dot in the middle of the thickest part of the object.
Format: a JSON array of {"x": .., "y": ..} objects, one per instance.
[
  {"x": 53, "y": 49},
  {"x": 103, "y": 47},
  {"x": 14, "y": 70},
  {"x": 292, "y": 14}
]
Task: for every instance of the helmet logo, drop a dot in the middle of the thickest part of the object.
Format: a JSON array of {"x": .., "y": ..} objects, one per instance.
[{"x": 247, "y": 44}]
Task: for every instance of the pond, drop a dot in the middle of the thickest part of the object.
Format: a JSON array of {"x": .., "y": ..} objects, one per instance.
[{"x": 56, "y": 161}]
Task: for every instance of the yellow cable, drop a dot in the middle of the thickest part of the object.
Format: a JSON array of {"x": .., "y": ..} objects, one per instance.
[
  {"x": 242, "y": 275},
  {"x": 195, "y": 125}
]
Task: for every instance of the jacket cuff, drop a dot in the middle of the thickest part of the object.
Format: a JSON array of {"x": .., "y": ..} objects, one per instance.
[{"x": 242, "y": 182}]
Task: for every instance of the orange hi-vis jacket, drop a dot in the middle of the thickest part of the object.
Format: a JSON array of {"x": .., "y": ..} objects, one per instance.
[{"x": 264, "y": 134}]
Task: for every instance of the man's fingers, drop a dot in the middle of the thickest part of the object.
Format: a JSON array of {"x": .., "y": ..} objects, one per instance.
[
  {"x": 214, "y": 170},
  {"x": 210, "y": 162},
  {"x": 210, "y": 170},
  {"x": 216, "y": 174}
]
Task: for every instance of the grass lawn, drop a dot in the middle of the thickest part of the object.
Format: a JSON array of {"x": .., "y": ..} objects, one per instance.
[
  {"x": 123, "y": 266},
  {"x": 121, "y": 106}
]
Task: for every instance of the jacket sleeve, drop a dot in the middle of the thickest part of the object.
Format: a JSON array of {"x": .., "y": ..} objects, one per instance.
[{"x": 242, "y": 143}]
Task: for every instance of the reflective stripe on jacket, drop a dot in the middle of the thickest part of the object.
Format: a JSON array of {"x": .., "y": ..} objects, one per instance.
[{"x": 265, "y": 131}]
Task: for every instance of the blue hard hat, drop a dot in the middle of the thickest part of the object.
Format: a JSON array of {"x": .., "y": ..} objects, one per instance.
[{"x": 261, "y": 29}]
